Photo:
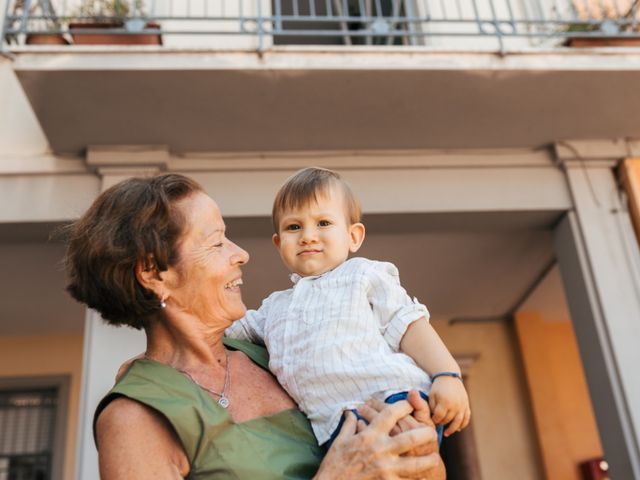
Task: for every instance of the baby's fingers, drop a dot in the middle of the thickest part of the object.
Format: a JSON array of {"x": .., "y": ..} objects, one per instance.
[
  {"x": 439, "y": 413},
  {"x": 450, "y": 415},
  {"x": 455, "y": 424},
  {"x": 467, "y": 418}
]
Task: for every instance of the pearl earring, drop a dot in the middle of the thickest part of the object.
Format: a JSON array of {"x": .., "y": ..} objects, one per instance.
[{"x": 163, "y": 304}]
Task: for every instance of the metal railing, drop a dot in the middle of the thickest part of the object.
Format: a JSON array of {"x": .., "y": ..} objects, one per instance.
[{"x": 259, "y": 24}]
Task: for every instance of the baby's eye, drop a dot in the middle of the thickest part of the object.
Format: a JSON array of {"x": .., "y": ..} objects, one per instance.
[
  {"x": 324, "y": 223},
  {"x": 293, "y": 226}
]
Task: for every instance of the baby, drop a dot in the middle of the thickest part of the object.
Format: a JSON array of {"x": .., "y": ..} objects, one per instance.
[{"x": 346, "y": 330}]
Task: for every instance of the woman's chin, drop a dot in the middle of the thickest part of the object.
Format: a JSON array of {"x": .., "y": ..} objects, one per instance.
[{"x": 239, "y": 313}]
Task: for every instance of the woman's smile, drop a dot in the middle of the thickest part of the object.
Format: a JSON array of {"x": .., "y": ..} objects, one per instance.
[{"x": 234, "y": 285}]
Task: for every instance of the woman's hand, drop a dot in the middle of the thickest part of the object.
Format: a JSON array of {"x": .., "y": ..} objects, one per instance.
[
  {"x": 420, "y": 417},
  {"x": 369, "y": 451}
]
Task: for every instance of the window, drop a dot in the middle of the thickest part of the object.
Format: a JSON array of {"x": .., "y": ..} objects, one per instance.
[
  {"x": 369, "y": 23},
  {"x": 32, "y": 433}
]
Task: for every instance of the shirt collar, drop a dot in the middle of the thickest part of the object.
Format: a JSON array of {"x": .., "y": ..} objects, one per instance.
[{"x": 295, "y": 278}]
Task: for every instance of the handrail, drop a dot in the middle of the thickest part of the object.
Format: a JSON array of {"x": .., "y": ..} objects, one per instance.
[{"x": 501, "y": 24}]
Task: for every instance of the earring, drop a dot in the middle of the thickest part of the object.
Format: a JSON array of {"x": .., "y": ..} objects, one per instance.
[{"x": 163, "y": 304}]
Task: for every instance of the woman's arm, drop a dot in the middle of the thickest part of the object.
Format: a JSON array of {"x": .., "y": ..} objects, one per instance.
[
  {"x": 369, "y": 452},
  {"x": 134, "y": 442}
]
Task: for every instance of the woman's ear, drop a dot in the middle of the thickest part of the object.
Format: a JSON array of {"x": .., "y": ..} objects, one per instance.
[
  {"x": 148, "y": 276},
  {"x": 356, "y": 236}
]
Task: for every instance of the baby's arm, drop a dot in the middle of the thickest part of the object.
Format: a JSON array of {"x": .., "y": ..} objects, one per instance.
[
  {"x": 448, "y": 398},
  {"x": 251, "y": 326},
  {"x": 405, "y": 327}
]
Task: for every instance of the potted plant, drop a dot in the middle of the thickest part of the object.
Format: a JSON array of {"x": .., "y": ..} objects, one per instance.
[
  {"x": 43, "y": 26},
  {"x": 96, "y": 21},
  {"x": 611, "y": 22}
]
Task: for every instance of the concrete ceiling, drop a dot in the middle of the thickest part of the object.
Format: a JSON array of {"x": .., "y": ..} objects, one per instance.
[
  {"x": 208, "y": 104},
  {"x": 460, "y": 267}
]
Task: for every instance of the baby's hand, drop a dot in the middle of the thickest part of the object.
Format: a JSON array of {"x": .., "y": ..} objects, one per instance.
[{"x": 449, "y": 403}]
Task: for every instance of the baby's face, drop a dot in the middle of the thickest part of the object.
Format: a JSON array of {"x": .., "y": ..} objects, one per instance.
[{"x": 317, "y": 237}]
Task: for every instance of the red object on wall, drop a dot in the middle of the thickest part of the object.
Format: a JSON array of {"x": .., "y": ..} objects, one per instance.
[{"x": 595, "y": 469}]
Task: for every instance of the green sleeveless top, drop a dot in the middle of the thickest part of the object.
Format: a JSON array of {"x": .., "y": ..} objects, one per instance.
[{"x": 278, "y": 446}]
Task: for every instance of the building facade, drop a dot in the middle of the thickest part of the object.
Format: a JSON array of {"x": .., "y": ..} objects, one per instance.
[{"x": 497, "y": 167}]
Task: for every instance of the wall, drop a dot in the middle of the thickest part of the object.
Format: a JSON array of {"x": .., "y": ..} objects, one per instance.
[
  {"x": 20, "y": 132},
  {"x": 501, "y": 416},
  {"x": 48, "y": 355},
  {"x": 564, "y": 418},
  {"x": 630, "y": 176}
]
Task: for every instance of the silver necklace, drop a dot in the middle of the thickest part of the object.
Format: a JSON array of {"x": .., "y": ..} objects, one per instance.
[{"x": 223, "y": 400}]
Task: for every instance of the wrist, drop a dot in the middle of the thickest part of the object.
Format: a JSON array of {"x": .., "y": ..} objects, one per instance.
[{"x": 437, "y": 375}]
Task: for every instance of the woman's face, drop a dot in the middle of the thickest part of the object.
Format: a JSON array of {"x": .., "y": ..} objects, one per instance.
[{"x": 206, "y": 282}]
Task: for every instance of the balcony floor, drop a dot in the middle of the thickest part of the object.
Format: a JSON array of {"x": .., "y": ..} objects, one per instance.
[{"x": 310, "y": 98}]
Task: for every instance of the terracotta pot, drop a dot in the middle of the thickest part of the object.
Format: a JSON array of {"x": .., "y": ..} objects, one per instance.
[
  {"x": 586, "y": 42},
  {"x": 107, "y": 38},
  {"x": 46, "y": 39}
]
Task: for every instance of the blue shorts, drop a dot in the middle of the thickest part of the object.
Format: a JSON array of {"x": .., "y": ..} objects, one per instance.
[{"x": 396, "y": 397}]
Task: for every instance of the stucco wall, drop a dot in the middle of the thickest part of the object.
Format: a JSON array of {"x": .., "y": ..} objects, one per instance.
[
  {"x": 564, "y": 418},
  {"x": 51, "y": 355},
  {"x": 501, "y": 416}
]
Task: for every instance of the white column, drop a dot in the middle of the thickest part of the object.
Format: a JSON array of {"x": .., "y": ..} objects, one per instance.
[
  {"x": 600, "y": 265},
  {"x": 105, "y": 349}
]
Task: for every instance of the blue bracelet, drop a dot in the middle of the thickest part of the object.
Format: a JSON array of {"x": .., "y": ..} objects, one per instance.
[{"x": 445, "y": 374}]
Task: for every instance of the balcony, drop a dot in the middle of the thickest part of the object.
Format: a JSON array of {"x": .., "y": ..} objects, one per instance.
[
  {"x": 502, "y": 25},
  {"x": 204, "y": 76}
]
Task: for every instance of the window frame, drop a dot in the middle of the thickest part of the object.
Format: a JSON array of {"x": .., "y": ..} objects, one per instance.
[{"x": 62, "y": 383}]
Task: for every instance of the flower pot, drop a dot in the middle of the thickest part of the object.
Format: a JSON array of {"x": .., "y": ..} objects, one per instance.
[
  {"x": 46, "y": 39},
  {"x": 588, "y": 42},
  {"x": 110, "y": 38}
]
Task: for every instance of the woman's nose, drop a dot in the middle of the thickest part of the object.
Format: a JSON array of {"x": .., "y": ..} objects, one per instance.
[{"x": 240, "y": 255}]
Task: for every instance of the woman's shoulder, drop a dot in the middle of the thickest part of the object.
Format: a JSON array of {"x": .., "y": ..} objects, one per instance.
[
  {"x": 257, "y": 353},
  {"x": 128, "y": 432},
  {"x": 122, "y": 413}
]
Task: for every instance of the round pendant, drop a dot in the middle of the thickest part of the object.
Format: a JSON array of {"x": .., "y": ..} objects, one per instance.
[{"x": 223, "y": 402}]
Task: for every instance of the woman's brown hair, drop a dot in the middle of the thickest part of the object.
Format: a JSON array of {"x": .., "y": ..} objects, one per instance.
[{"x": 134, "y": 221}]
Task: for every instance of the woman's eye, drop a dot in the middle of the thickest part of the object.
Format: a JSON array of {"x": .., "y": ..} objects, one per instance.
[
  {"x": 293, "y": 226},
  {"x": 324, "y": 223}
]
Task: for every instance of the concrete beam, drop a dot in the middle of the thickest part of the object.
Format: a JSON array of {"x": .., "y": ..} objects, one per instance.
[
  {"x": 600, "y": 266},
  {"x": 424, "y": 184}
]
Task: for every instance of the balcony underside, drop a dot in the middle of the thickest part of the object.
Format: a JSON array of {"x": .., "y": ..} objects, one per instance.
[{"x": 319, "y": 100}]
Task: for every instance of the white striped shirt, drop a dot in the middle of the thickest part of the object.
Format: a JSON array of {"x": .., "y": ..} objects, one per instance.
[{"x": 334, "y": 339}]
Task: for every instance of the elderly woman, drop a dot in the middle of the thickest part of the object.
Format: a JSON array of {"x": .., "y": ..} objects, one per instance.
[{"x": 152, "y": 254}]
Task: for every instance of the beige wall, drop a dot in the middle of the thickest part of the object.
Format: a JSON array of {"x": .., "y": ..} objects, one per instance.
[
  {"x": 48, "y": 355},
  {"x": 504, "y": 434},
  {"x": 564, "y": 418}
]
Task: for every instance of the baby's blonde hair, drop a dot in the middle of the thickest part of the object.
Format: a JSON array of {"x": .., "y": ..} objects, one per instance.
[{"x": 305, "y": 185}]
